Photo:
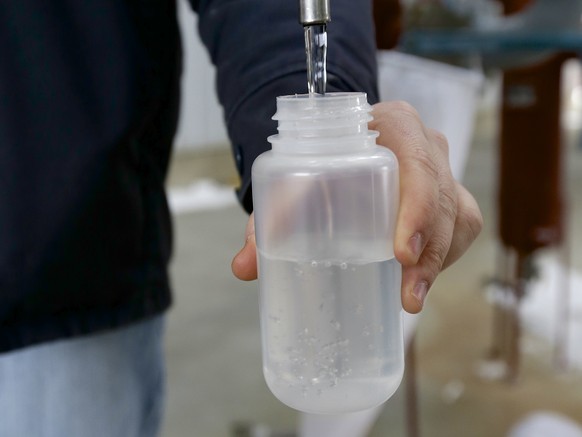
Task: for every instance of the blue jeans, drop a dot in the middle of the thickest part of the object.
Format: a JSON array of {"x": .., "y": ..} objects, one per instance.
[{"x": 109, "y": 384}]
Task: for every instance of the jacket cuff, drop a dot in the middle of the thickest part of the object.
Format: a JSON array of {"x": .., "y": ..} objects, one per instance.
[{"x": 258, "y": 49}]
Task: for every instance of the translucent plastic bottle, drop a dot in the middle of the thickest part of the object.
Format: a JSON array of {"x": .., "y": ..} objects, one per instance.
[{"x": 325, "y": 201}]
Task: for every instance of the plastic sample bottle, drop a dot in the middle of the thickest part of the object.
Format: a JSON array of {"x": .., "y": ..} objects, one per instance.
[{"x": 325, "y": 201}]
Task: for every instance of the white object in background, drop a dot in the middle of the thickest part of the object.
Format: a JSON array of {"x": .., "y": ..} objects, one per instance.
[
  {"x": 445, "y": 96},
  {"x": 204, "y": 194},
  {"x": 347, "y": 425},
  {"x": 201, "y": 124},
  {"x": 539, "y": 307},
  {"x": 542, "y": 16},
  {"x": 546, "y": 424}
]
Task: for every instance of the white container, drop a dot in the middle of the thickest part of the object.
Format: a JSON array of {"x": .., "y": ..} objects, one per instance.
[
  {"x": 325, "y": 201},
  {"x": 445, "y": 96}
]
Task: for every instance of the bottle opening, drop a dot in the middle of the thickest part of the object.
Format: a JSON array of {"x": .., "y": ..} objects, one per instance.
[
  {"x": 334, "y": 121},
  {"x": 318, "y": 106}
]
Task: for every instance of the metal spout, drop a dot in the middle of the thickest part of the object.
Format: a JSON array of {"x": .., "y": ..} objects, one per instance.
[{"x": 313, "y": 12}]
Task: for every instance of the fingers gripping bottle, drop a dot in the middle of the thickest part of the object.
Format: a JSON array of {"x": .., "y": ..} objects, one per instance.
[{"x": 325, "y": 201}]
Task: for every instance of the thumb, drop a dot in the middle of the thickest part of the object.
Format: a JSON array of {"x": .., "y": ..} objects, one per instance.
[{"x": 244, "y": 263}]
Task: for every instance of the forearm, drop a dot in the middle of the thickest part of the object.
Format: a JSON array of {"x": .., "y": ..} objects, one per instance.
[{"x": 258, "y": 49}]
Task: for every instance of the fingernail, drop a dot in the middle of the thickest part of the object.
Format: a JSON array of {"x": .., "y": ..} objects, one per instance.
[
  {"x": 416, "y": 244},
  {"x": 420, "y": 291}
]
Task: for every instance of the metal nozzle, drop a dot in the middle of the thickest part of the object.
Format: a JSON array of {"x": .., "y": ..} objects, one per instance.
[{"x": 314, "y": 12}]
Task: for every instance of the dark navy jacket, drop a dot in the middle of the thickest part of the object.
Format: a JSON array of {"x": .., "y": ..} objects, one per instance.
[{"x": 89, "y": 94}]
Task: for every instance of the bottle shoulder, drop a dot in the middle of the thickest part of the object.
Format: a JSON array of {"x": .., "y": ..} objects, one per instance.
[{"x": 376, "y": 157}]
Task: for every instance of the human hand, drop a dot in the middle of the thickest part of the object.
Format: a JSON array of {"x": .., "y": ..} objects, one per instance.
[{"x": 438, "y": 218}]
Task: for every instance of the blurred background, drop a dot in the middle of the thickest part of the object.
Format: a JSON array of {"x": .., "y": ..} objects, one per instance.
[{"x": 500, "y": 338}]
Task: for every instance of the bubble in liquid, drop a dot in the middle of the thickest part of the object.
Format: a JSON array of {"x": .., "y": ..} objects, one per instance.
[
  {"x": 343, "y": 266},
  {"x": 313, "y": 264},
  {"x": 306, "y": 338},
  {"x": 299, "y": 361},
  {"x": 346, "y": 372},
  {"x": 366, "y": 331},
  {"x": 292, "y": 351}
]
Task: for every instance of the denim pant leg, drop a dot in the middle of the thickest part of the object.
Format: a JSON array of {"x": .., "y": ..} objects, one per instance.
[{"x": 110, "y": 384}]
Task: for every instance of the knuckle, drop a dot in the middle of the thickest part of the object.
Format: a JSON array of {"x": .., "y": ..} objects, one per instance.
[
  {"x": 435, "y": 254},
  {"x": 440, "y": 140},
  {"x": 469, "y": 214},
  {"x": 448, "y": 201},
  {"x": 402, "y": 118},
  {"x": 474, "y": 222},
  {"x": 404, "y": 108},
  {"x": 425, "y": 161}
]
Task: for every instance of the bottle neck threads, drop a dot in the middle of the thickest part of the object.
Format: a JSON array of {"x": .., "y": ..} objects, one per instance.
[{"x": 334, "y": 122}]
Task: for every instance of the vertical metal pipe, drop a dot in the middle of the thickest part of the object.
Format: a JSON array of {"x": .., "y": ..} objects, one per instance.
[
  {"x": 562, "y": 333},
  {"x": 499, "y": 299},
  {"x": 314, "y": 12}
]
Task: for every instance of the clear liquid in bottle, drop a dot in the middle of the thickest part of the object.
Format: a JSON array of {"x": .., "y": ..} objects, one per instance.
[{"x": 325, "y": 201}]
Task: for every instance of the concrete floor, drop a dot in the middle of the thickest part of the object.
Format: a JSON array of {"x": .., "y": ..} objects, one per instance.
[{"x": 213, "y": 346}]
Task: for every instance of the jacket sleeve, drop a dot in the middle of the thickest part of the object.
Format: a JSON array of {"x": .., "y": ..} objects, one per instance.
[{"x": 258, "y": 49}]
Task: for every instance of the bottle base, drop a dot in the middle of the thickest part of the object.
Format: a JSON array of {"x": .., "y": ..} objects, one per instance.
[{"x": 347, "y": 396}]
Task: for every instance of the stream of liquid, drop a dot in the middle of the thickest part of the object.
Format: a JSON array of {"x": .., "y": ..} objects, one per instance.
[{"x": 316, "y": 52}]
